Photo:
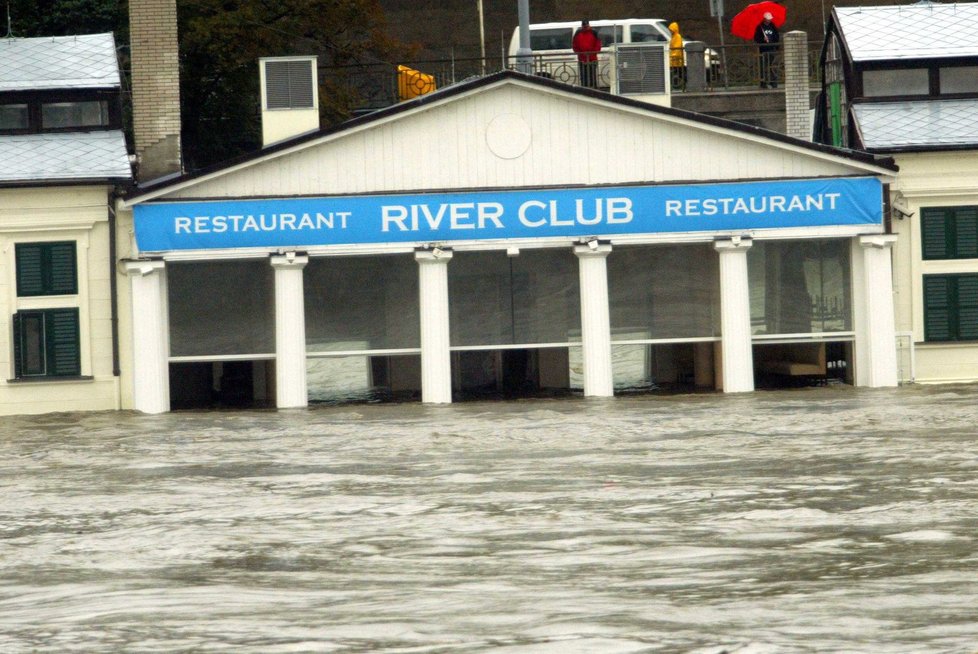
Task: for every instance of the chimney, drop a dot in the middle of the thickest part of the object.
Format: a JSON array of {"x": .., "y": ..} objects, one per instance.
[
  {"x": 797, "y": 109},
  {"x": 289, "y": 97},
  {"x": 155, "y": 87}
]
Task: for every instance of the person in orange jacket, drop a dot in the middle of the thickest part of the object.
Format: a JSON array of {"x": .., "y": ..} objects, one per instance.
[
  {"x": 587, "y": 45},
  {"x": 677, "y": 58}
]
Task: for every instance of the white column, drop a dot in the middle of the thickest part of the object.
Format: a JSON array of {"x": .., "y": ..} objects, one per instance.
[
  {"x": 290, "y": 332},
  {"x": 436, "y": 361},
  {"x": 599, "y": 378},
  {"x": 737, "y": 358},
  {"x": 876, "y": 356},
  {"x": 151, "y": 348}
]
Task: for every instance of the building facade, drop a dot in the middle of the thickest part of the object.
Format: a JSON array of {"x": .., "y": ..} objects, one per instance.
[
  {"x": 508, "y": 235},
  {"x": 898, "y": 90},
  {"x": 62, "y": 157}
]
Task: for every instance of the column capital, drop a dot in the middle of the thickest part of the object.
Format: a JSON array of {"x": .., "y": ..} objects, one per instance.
[
  {"x": 877, "y": 240},
  {"x": 433, "y": 255},
  {"x": 733, "y": 244},
  {"x": 289, "y": 261},
  {"x": 586, "y": 250},
  {"x": 142, "y": 267}
]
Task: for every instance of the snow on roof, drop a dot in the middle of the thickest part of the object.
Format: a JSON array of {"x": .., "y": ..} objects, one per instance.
[
  {"x": 58, "y": 62},
  {"x": 935, "y": 124},
  {"x": 64, "y": 156},
  {"x": 916, "y": 31}
]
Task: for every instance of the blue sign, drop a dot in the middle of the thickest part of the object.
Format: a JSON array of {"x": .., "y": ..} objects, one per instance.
[{"x": 480, "y": 215}]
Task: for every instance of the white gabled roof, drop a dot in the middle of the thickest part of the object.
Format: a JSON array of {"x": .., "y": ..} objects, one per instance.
[
  {"x": 570, "y": 137},
  {"x": 64, "y": 156},
  {"x": 58, "y": 62},
  {"x": 916, "y": 31}
]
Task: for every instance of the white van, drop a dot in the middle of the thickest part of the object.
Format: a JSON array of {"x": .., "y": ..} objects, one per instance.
[
  {"x": 554, "y": 56},
  {"x": 556, "y": 37}
]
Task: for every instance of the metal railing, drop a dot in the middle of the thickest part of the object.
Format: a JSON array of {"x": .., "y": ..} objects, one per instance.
[{"x": 374, "y": 86}]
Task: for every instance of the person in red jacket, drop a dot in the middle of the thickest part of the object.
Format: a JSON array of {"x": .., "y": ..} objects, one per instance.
[{"x": 587, "y": 45}]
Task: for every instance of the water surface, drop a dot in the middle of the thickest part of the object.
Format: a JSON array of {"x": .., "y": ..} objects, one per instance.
[{"x": 814, "y": 520}]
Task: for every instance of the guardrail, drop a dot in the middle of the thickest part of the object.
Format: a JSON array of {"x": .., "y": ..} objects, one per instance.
[{"x": 374, "y": 86}]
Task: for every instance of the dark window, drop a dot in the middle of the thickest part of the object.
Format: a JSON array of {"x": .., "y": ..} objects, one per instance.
[
  {"x": 896, "y": 81},
  {"x": 46, "y": 343},
  {"x": 551, "y": 39},
  {"x": 646, "y": 33},
  {"x": 950, "y": 307},
  {"x": 609, "y": 34},
  {"x": 64, "y": 115},
  {"x": 14, "y": 116},
  {"x": 46, "y": 269},
  {"x": 959, "y": 79},
  {"x": 949, "y": 232}
]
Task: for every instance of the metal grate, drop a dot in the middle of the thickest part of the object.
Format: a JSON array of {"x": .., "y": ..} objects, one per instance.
[
  {"x": 289, "y": 84},
  {"x": 642, "y": 69}
]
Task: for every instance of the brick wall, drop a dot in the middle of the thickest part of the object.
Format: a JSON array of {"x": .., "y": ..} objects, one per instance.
[
  {"x": 796, "y": 86},
  {"x": 155, "y": 86}
]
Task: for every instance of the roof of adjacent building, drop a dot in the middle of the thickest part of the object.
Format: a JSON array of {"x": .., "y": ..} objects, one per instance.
[
  {"x": 917, "y": 31},
  {"x": 918, "y": 125},
  {"x": 64, "y": 157},
  {"x": 58, "y": 62}
]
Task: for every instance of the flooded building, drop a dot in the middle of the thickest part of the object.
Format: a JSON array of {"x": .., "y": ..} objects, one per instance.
[
  {"x": 902, "y": 81},
  {"x": 62, "y": 158},
  {"x": 507, "y": 235}
]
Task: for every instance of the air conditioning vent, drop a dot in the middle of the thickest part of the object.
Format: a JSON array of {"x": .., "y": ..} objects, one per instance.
[
  {"x": 289, "y": 84},
  {"x": 642, "y": 69}
]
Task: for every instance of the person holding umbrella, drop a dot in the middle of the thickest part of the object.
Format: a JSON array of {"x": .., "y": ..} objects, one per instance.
[
  {"x": 767, "y": 37},
  {"x": 759, "y": 22}
]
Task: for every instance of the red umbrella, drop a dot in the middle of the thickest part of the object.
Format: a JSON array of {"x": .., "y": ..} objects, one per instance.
[{"x": 745, "y": 23}]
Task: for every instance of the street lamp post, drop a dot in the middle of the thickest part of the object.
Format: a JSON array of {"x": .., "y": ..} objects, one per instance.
[{"x": 482, "y": 35}]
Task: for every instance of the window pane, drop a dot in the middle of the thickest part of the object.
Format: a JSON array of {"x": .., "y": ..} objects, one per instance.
[
  {"x": 800, "y": 287},
  {"x": 32, "y": 344},
  {"x": 551, "y": 39},
  {"x": 646, "y": 33},
  {"x": 912, "y": 81},
  {"x": 527, "y": 299},
  {"x": 655, "y": 293},
  {"x": 74, "y": 114},
  {"x": 959, "y": 79},
  {"x": 13, "y": 116},
  {"x": 362, "y": 303},
  {"x": 609, "y": 34},
  {"x": 221, "y": 308}
]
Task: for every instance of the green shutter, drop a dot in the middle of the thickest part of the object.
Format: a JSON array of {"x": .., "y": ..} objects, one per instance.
[
  {"x": 62, "y": 269},
  {"x": 30, "y": 269},
  {"x": 966, "y": 233},
  {"x": 949, "y": 232},
  {"x": 835, "y": 112},
  {"x": 967, "y": 293},
  {"x": 18, "y": 368},
  {"x": 47, "y": 269},
  {"x": 937, "y": 308},
  {"x": 64, "y": 356}
]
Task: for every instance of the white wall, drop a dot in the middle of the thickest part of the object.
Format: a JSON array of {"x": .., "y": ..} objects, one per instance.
[
  {"x": 511, "y": 136},
  {"x": 77, "y": 214},
  {"x": 931, "y": 180}
]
